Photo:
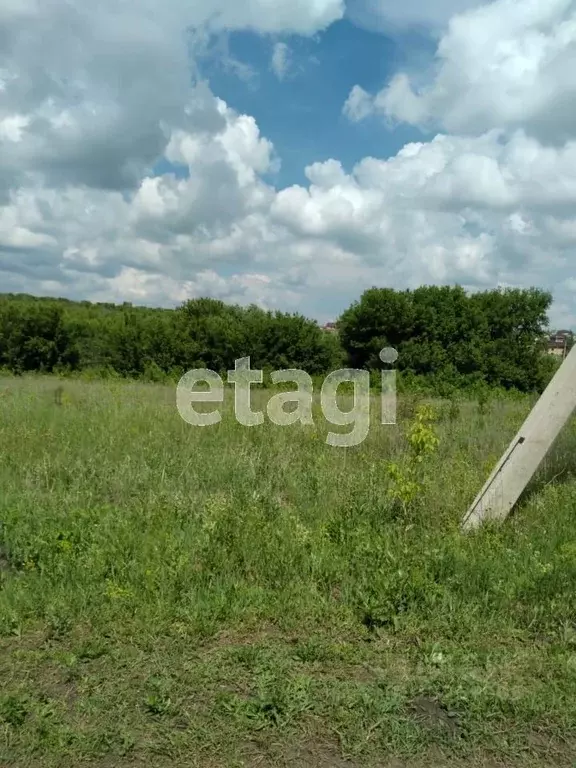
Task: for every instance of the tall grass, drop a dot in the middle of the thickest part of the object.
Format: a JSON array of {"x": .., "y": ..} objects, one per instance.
[{"x": 263, "y": 568}]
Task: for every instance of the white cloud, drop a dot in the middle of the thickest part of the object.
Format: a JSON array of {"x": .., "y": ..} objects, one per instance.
[
  {"x": 91, "y": 91},
  {"x": 481, "y": 211},
  {"x": 280, "y": 62},
  {"x": 508, "y": 64},
  {"x": 358, "y": 105},
  {"x": 135, "y": 285}
]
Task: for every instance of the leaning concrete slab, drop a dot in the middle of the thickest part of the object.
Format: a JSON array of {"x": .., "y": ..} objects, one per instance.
[{"x": 527, "y": 450}]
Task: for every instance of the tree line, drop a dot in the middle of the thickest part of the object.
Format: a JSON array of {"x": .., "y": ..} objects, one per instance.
[
  {"x": 445, "y": 337},
  {"x": 59, "y": 335}
]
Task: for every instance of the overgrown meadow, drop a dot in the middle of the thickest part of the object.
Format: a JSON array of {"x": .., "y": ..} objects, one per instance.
[{"x": 232, "y": 596}]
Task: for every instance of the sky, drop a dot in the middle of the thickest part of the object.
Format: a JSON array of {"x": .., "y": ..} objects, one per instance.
[{"x": 287, "y": 153}]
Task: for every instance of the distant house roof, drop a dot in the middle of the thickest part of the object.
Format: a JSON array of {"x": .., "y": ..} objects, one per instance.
[
  {"x": 560, "y": 334},
  {"x": 559, "y": 340}
]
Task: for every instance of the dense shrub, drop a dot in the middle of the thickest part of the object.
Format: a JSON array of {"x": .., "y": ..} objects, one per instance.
[{"x": 452, "y": 340}]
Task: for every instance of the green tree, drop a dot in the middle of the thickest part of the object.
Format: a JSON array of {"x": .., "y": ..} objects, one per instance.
[
  {"x": 34, "y": 337},
  {"x": 442, "y": 334}
]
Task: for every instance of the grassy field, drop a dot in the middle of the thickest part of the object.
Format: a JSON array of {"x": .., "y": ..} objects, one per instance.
[{"x": 172, "y": 596}]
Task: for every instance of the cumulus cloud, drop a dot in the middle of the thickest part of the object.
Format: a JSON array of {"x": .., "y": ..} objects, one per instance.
[
  {"x": 91, "y": 91},
  {"x": 473, "y": 210},
  {"x": 508, "y": 64},
  {"x": 358, "y": 105},
  {"x": 480, "y": 211}
]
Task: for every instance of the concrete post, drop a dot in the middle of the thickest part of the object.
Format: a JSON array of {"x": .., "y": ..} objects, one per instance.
[{"x": 527, "y": 450}]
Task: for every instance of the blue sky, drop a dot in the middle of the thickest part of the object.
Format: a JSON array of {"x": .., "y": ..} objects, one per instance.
[{"x": 302, "y": 114}]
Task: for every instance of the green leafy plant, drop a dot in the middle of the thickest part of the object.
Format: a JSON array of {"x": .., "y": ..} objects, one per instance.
[{"x": 406, "y": 478}]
